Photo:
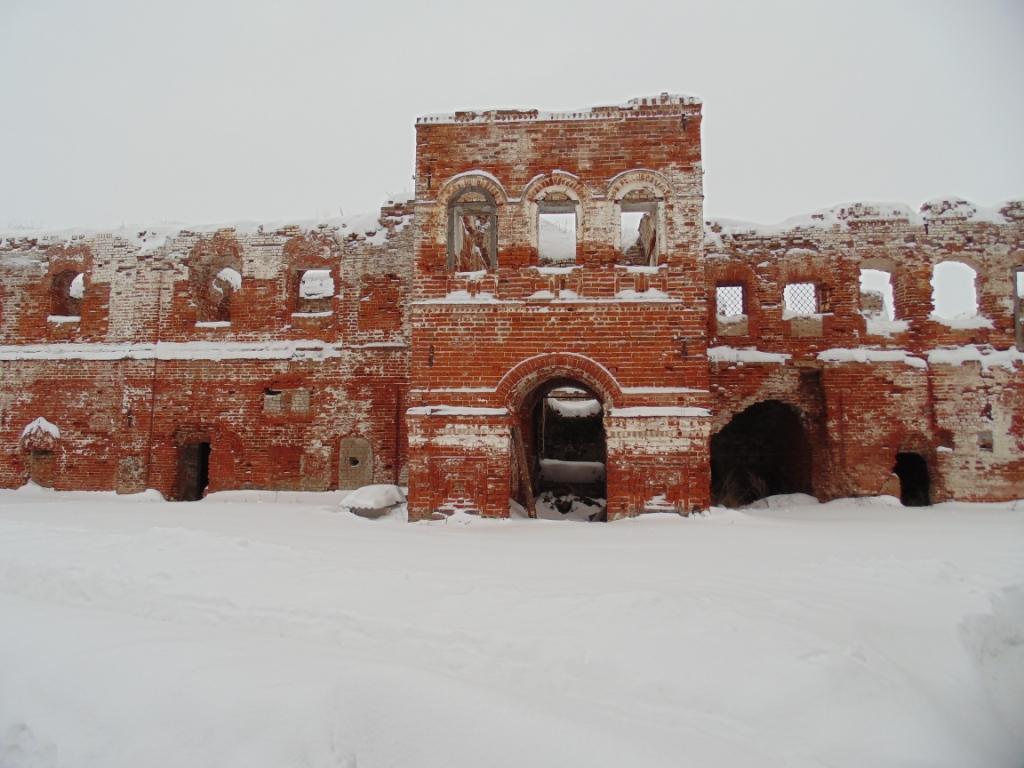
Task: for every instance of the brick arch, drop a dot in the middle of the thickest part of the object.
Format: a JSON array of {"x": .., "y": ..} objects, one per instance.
[
  {"x": 638, "y": 178},
  {"x": 556, "y": 180},
  {"x": 523, "y": 378},
  {"x": 470, "y": 179}
]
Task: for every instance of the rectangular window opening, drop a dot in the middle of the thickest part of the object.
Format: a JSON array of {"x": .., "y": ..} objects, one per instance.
[
  {"x": 1018, "y": 305},
  {"x": 801, "y": 299},
  {"x": 729, "y": 300},
  {"x": 316, "y": 291},
  {"x": 985, "y": 442},
  {"x": 876, "y": 299},
  {"x": 556, "y": 236}
]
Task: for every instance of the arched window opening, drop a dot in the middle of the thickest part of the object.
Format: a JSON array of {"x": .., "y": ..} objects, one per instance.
[
  {"x": 214, "y": 305},
  {"x": 954, "y": 291},
  {"x": 912, "y": 470},
  {"x": 472, "y": 231},
  {"x": 761, "y": 452},
  {"x": 557, "y": 221},
  {"x": 66, "y": 292},
  {"x": 639, "y": 228}
]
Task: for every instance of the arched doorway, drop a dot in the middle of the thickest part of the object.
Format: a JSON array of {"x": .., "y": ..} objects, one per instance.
[
  {"x": 561, "y": 431},
  {"x": 762, "y": 451},
  {"x": 915, "y": 484}
]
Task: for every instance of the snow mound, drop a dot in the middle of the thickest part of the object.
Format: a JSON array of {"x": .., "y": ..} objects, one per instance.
[
  {"x": 373, "y": 500},
  {"x": 783, "y": 501}
]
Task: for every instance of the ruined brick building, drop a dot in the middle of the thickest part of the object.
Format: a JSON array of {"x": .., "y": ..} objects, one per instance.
[{"x": 549, "y": 310}]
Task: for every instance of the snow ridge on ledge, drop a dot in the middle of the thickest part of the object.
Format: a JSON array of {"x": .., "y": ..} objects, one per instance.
[
  {"x": 643, "y": 105},
  {"x": 945, "y": 210},
  {"x": 366, "y": 226}
]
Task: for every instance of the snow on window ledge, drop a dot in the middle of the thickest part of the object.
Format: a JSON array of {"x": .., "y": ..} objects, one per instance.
[
  {"x": 882, "y": 326},
  {"x": 731, "y": 319},
  {"x": 213, "y": 324},
  {"x": 327, "y": 313},
  {"x": 63, "y": 318},
  {"x": 962, "y": 321},
  {"x": 790, "y": 315}
]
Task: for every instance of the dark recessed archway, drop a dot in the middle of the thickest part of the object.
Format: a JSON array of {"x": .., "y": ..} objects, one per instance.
[
  {"x": 761, "y": 452},
  {"x": 561, "y": 427}
]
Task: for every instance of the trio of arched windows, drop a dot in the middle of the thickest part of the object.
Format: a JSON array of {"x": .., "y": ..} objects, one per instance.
[{"x": 472, "y": 227}]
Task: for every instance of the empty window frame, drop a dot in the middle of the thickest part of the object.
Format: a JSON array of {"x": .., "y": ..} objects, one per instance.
[
  {"x": 556, "y": 229},
  {"x": 66, "y": 292},
  {"x": 729, "y": 301},
  {"x": 954, "y": 293},
  {"x": 1018, "y": 305},
  {"x": 472, "y": 231},
  {"x": 876, "y": 297},
  {"x": 316, "y": 291},
  {"x": 801, "y": 299},
  {"x": 215, "y": 306},
  {"x": 639, "y": 214}
]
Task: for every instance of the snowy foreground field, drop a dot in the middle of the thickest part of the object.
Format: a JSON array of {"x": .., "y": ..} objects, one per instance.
[{"x": 261, "y": 629}]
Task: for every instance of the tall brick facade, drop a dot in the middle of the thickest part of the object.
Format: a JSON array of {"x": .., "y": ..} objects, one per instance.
[{"x": 726, "y": 361}]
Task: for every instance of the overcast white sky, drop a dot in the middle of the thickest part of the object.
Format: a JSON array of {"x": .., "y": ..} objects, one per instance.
[{"x": 122, "y": 111}]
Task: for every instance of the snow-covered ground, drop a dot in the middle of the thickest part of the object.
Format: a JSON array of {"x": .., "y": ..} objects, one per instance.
[{"x": 271, "y": 630}]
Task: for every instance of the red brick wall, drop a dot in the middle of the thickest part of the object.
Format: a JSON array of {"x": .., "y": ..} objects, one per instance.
[{"x": 127, "y": 386}]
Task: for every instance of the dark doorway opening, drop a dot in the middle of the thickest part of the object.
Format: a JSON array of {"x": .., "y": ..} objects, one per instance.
[
  {"x": 564, "y": 448},
  {"x": 762, "y": 452},
  {"x": 915, "y": 486},
  {"x": 193, "y": 471}
]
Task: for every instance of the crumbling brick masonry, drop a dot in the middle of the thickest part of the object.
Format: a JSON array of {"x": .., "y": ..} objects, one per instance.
[{"x": 551, "y": 312}]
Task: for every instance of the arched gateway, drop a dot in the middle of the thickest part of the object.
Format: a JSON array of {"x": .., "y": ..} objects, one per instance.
[{"x": 561, "y": 446}]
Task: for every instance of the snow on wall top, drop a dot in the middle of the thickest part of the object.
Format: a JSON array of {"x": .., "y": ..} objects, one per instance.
[
  {"x": 663, "y": 103},
  {"x": 951, "y": 209},
  {"x": 149, "y": 237}
]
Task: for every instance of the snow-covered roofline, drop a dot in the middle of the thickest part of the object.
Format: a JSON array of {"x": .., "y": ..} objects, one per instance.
[
  {"x": 942, "y": 209},
  {"x": 663, "y": 103},
  {"x": 151, "y": 236}
]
